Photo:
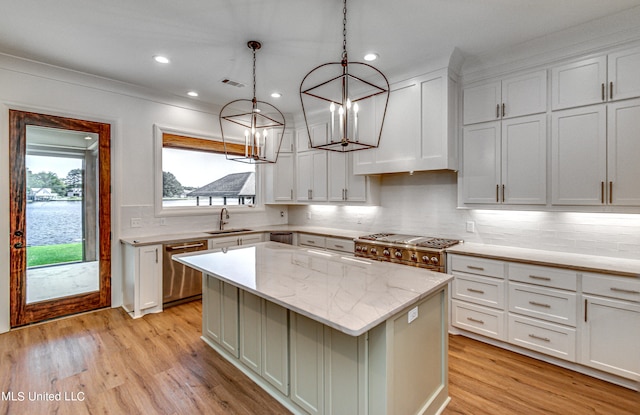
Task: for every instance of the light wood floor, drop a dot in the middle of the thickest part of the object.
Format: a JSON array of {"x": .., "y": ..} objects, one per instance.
[{"x": 112, "y": 364}]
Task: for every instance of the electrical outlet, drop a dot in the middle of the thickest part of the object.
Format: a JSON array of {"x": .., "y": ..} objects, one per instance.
[
  {"x": 413, "y": 314},
  {"x": 282, "y": 213},
  {"x": 136, "y": 223},
  {"x": 471, "y": 226},
  {"x": 163, "y": 222}
]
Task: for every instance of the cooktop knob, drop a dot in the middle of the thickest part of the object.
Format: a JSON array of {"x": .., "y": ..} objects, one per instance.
[
  {"x": 414, "y": 257},
  {"x": 434, "y": 260},
  {"x": 425, "y": 259},
  {"x": 374, "y": 251},
  {"x": 358, "y": 248},
  {"x": 398, "y": 254},
  {"x": 386, "y": 252}
]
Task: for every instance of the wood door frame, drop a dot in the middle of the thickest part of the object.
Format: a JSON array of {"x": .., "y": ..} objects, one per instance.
[{"x": 21, "y": 312}]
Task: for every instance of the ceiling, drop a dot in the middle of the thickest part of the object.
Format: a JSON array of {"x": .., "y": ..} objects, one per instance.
[{"x": 206, "y": 39}]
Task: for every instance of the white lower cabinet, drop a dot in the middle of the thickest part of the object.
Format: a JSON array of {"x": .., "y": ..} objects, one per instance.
[
  {"x": 221, "y": 313},
  {"x": 552, "y": 339},
  {"x": 307, "y": 363},
  {"x": 142, "y": 268},
  {"x": 267, "y": 355},
  {"x": 610, "y": 330},
  {"x": 227, "y": 241},
  {"x": 585, "y": 318}
]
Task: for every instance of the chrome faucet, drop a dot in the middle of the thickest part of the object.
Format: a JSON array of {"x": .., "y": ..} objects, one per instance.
[{"x": 224, "y": 214}]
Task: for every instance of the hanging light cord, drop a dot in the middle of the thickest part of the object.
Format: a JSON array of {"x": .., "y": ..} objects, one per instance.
[
  {"x": 254, "y": 74},
  {"x": 344, "y": 31}
]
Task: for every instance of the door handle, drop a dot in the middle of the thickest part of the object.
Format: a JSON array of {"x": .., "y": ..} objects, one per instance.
[
  {"x": 18, "y": 245},
  {"x": 18, "y": 233}
]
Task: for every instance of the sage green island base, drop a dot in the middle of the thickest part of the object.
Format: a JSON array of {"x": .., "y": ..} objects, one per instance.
[{"x": 299, "y": 328}]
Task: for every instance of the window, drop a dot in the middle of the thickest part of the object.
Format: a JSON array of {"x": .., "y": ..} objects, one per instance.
[{"x": 195, "y": 174}]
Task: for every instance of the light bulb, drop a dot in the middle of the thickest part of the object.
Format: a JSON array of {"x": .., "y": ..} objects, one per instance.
[
  {"x": 348, "y": 104},
  {"x": 341, "y": 110},
  {"x": 355, "y": 107},
  {"x": 332, "y": 107}
]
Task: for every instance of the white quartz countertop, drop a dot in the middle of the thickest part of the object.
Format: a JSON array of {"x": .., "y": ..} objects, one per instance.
[
  {"x": 191, "y": 235},
  {"x": 587, "y": 263},
  {"x": 346, "y": 293}
]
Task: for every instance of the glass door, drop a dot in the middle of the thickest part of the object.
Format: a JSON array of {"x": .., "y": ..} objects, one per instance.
[{"x": 60, "y": 217}]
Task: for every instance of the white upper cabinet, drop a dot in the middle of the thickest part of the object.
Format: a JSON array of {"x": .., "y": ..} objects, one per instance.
[
  {"x": 579, "y": 156},
  {"x": 283, "y": 182},
  {"x": 623, "y": 153},
  {"x": 512, "y": 97},
  {"x": 505, "y": 162},
  {"x": 595, "y": 80},
  {"x": 595, "y": 154},
  {"x": 312, "y": 176},
  {"x": 286, "y": 145},
  {"x": 343, "y": 184},
  {"x": 419, "y": 131},
  {"x": 624, "y": 74},
  {"x": 579, "y": 83}
]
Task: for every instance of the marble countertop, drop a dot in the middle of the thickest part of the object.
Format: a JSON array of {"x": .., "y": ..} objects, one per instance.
[
  {"x": 346, "y": 293},
  {"x": 188, "y": 236},
  {"x": 586, "y": 263}
]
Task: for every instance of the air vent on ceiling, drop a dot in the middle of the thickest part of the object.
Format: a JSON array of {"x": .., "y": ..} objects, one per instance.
[{"x": 233, "y": 83}]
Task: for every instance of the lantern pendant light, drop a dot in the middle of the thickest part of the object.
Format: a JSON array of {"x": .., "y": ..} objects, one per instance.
[
  {"x": 350, "y": 98},
  {"x": 251, "y": 130}
]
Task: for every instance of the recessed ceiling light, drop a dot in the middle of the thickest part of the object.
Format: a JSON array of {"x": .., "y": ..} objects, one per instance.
[
  {"x": 370, "y": 57},
  {"x": 88, "y": 138},
  {"x": 276, "y": 95},
  {"x": 192, "y": 93},
  {"x": 161, "y": 59}
]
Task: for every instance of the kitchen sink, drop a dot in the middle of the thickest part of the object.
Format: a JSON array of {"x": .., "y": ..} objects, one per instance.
[{"x": 224, "y": 231}]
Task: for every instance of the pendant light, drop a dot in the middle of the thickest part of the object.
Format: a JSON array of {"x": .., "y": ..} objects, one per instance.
[
  {"x": 350, "y": 98},
  {"x": 251, "y": 130}
]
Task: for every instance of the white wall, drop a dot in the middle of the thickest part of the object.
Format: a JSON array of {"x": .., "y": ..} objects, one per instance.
[
  {"x": 132, "y": 112},
  {"x": 425, "y": 204}
]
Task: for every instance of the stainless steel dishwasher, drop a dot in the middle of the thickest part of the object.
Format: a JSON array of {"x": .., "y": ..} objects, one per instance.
[{"x": 180, "y": 283}]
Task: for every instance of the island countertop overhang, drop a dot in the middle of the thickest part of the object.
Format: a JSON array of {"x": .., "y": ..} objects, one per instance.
[{"x": 349, "y": 294}]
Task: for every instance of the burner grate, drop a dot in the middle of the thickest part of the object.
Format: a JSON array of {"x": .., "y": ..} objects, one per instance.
[
  {"x": 438, "y": 243},
  {"x": 375, "y": 236}
]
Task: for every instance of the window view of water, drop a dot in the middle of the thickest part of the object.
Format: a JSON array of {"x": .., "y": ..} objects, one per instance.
[{"x": 54, "y": 222}]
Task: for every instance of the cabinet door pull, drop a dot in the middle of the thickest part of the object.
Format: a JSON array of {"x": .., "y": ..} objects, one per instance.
[
  {"x": 537, "y": 277},
  {"x": 611, "y": 193},
  {"x": 602, "y": 192},
  {"x": 497, "y": 110},
  {"x": 502, "y": 193},
  {"x": 291, "y": 193},
  {"x": 623, "y": 290},
  {"x": 345, "y": 194},
  {"x": 544, "y": 339},
  {"x": 473, "y": 290},
  {"x": 503, "y": 109},
  {"x": 476, "y": 268},
  {"x": 539, "y": 304},
  {"x": 497, "y": 193},
  {"x": 475, "y": 320},
  {"x": 585, "y": 310},
  {"x": 611, "y": 90},
  {"x": 603, "y": 96},
  {"x": 339, "y": 246},
  {"x": 156, "y": 255}
]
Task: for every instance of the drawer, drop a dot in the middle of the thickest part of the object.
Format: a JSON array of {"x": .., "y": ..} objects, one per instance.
[
  {"x": 545, "y": 276},
  {"x": 543, "y": 303},
  {"x": 623, "y": 288},
  {"x": 339, "y": 244},
  {"x": 547, "y": 338},
  {"x": 311, "y": 240},
  {"x": 479, "y": 290},
  {"x": 480, "y": 266},
  {"x": 477, "y": 319}
]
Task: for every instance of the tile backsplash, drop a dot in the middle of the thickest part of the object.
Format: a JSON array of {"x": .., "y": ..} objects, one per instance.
[{"x": 426, "y": 204}]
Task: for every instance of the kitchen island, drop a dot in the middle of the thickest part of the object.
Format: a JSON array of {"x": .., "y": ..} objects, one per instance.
[{"x": 326, "y": 333}]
